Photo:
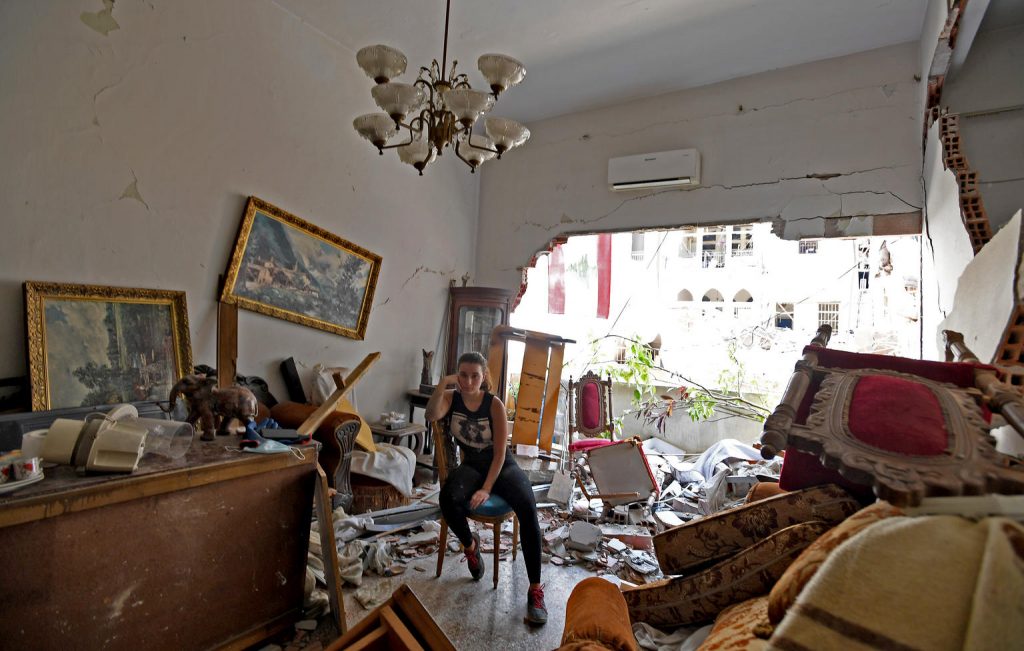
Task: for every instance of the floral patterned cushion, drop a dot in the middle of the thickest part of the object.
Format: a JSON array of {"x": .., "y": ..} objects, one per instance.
[
  {"x": 740, "y": 627},
  {"x": 708, "y": 540},
  {"x": 686, "y": 600},
  {"x": 803, "y": 568}
]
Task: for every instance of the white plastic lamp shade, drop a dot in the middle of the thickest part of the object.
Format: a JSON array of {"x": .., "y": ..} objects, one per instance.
[
  {"x": 478, "y": 150},
  {"x": 381, "y": 63},
  {"x": 467, "y": 104},
  {"x": 506, "y": 133},
  {"x": 418, "y": 153},
  {"x": 501, "y": 72},
  {"x": 396, "y": 99},
  {"x": 375, "y": 127}
]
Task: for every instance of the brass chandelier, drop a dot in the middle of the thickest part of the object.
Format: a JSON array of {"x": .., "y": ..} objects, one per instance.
[{"x": 436, "y": 110}]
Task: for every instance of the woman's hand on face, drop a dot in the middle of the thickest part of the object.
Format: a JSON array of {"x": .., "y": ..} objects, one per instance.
[
  {"x": 478, "y": 498},
  {"x": 448, "y": 381}
]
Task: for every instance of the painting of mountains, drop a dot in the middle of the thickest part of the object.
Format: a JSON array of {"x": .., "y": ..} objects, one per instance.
[{"x": 288, "y": 268}]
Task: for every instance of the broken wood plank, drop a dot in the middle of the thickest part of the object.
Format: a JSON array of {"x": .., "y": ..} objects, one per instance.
[
  {"x": 399, "y": 635},
  {"x": 227, "y": 344},
  {"x": 531, "y": 393},
  {"x": 554, "y": 383},
  {"x": 309, "y": 425},
  {"x": 421, "y": 619},
  {"x": 332, "y": 572}
]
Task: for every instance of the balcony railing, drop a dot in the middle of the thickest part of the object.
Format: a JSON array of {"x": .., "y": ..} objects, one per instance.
[{"x": 713, "y": 259}]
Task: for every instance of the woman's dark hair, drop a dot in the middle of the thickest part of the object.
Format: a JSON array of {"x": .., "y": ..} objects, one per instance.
[{"x": 474, "y": 357}]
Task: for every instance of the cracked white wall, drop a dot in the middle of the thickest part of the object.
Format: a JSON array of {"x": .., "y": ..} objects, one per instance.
[
  {"x": 128, "y": 154},
  {"x": 988, "y": 94},
  {"x": 767, "y": 143}
]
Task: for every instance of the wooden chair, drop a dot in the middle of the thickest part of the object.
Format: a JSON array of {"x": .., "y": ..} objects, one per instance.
[
  {"x": 493, "y": 512},
  {"x": 590, "y": 412}
]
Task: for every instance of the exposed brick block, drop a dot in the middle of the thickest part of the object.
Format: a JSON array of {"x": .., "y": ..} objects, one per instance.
[{"x": 968, "y": 181}]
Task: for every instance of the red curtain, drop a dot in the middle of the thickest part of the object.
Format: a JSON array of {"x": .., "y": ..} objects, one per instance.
[
  {"x": 556, "y": 281},
  {"x": 604, "y": 274}
]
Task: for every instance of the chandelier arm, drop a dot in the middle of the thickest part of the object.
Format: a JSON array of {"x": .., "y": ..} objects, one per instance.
[
  {"x": 458, "y": 154},
  {"x": 493, "y": 151},
  {"x": 399, "y": 144},
  {"x": 423, "y": 119},
  {"x": 428, "y": 86}
]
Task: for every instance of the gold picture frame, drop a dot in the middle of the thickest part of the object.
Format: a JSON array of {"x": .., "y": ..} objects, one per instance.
[
  {"x": 285, "y": 267},
  {"x": 96, "y": 345}
]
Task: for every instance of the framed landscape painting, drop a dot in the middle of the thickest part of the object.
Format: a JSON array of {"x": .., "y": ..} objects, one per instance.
[
  {"x": 288, "y": 268},
  {"x": 95, "y": 345}
]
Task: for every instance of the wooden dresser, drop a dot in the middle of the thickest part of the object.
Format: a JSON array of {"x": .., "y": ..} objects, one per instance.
[{"x": 207, "y": 551}]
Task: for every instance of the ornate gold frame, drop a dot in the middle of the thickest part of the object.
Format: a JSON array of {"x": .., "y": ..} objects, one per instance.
[
  {"x": 37, "y": 292},
  {"x": 228, "y": 294}
]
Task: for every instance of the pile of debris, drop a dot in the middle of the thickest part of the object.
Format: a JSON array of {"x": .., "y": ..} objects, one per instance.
[{"x": 613, "y": 542}]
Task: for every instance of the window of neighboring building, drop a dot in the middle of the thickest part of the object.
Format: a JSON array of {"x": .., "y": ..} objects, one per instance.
[
  {"x": 713, "y": 247},
  {"x": 713, "y": 295},
  {"x": 742, "y": 240},
  {"x": 637, "y": 248},
  {"x": 743, "y": 296},
  {"x": 828, "y": 313},
  {"x": 808, "y": 246},
  {"x": 684, "y": 295},
  {"x": 784, "y": 315},
  {"x": 688, "y": 245}
]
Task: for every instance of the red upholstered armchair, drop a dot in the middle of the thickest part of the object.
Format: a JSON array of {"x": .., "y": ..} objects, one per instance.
[
  {"x": 901, "y": 428},
  {"x": 590, "y": 412}
]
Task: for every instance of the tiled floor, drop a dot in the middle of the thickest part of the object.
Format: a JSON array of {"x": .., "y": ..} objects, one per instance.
[{"x": 473, "y": 614}]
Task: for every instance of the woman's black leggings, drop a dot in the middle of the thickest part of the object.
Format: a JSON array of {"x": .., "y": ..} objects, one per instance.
[{"x": 514, "y": 487}]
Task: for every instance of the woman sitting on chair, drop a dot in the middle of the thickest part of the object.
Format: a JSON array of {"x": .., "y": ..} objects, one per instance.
[{"x": 476, "y": 420}]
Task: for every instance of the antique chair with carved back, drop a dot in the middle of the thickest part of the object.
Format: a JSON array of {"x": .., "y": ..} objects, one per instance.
[{"x": 901, "y": 428}]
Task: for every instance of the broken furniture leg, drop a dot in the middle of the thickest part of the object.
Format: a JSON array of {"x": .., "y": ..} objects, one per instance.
[{"x": 400, "y": 623}]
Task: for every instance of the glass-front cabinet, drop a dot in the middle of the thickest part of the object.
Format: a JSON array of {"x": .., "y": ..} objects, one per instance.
[{"x": 474, "y": 311}]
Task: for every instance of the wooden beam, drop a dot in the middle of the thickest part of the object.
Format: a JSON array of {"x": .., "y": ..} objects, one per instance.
[
  {"x": 227, "y": 344},
  {"x": 547, "y": 423},
  {"x": 329, "y": 550},
  {"x": 309, "y": 425}
]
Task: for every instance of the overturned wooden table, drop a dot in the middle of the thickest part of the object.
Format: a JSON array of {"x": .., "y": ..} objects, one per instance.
[{"x": 206, "y": 551}]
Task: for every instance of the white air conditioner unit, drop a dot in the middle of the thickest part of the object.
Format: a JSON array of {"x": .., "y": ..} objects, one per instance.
[{"x": 679, "y": 168}]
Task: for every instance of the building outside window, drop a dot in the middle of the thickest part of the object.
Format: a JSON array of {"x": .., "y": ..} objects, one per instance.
[
  {"x": 713, "y": 248},
  {"x": 828, "y": 313},
  {"x": 637, "y": 248},
  {"x": 784, "y": 315},
  {"x": 742, "y": 240},
  {"x": 808, "y": 246},
  {"x": 688, "y": 245}
]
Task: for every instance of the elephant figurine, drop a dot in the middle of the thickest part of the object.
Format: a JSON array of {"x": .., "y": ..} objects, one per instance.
[
  {"x": 212, "y": 407},
  {"x": 231, "y": 403}
]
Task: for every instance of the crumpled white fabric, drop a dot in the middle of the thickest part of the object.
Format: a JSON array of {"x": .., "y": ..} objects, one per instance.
[
  {"x": 349, "y": 527},
  {"x": 724, "y": 450},
  {"x": 683, "y": 639},
  {"x": 390, "y": 463},
  {"x": 358, "y": 556},
  {"x": 324, "y": 386}
]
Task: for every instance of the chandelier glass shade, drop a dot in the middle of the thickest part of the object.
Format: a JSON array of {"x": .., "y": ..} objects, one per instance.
[{"x": 439, "y": 109}]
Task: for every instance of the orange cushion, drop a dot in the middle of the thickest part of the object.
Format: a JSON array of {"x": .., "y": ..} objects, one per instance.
[
  {"x": 596, "y": 618},
  {"x": 793, "y": 580}
]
